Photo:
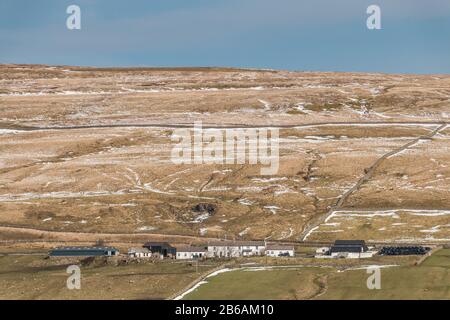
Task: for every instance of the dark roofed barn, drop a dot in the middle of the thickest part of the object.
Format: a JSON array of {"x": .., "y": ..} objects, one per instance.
[
  {"x": 353, "y": 246},
  {"x": 84, "y": 252},
  {"x": 163, "y": 248}
]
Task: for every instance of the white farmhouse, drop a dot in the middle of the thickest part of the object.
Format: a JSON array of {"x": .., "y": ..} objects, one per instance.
[
  {"x": 139, "y": 253},
  {"x": 233, "y": 249},
  {"x": 189, "y": 253},
  {"x": 276, "y": 250}
]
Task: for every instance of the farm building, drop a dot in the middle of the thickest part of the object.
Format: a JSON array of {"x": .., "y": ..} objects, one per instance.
[
  {"x": 162, "y": 248},
  {"x": 139, "y": 253},
  {"x": 84, "y": 252},
  {"x": 275, "y": 250},
  {"x": 350, "y": 249},
  {"x": 191, "y": 253},
  {"x": 252, "y": 248},
  {"x": 232, "y": 249}
]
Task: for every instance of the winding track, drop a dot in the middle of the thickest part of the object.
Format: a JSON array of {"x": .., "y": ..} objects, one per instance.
[
  {"x": 209, "y": 126},
  {"x": 368, "y": 174}
]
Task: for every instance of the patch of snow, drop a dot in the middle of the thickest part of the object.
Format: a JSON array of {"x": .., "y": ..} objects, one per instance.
[
  {"x": 10, "y": 131},
  {"x": 272, "y": 209},
  {"x": 244, "y": 232},
  {"x": 245, "y": 202},
  {"x": 146, "y": 228}
]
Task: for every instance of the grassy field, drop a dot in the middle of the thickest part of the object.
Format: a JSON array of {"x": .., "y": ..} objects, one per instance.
[
  {"x": 430, "y": 280},
  {"x": 266, "y": 284},
  {"x": 33, "y": 277}
]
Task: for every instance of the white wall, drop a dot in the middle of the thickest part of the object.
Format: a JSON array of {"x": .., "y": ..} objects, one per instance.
[
  {"x": 234, "y": 251},
  {"x": 224, "y": 252},
  {"x": 190, "y": 255},
  {"x": 140, "y": 254},
  {"x": 252, "y": 250},
  {"x": 353, "y": 255}
]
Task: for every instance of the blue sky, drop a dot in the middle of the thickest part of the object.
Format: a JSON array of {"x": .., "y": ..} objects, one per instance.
[{"x": 317, "y": 35}]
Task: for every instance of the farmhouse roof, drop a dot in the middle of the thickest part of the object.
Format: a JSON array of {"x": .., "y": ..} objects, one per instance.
[
  {"x": 191, "y": 249},
  {"x": 236, "y": 243},
  {"x": 279, "y": 247},
  {"x": 349, "y": 243},
  {"x": 158, "y": 244},
  {"x": 85, "y": 248},
  {"x": 138, "y": 250}
]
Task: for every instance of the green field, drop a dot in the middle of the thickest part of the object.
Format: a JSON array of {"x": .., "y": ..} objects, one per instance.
[
  {"x": 34, "y": 277},
  {"x": 414, "y": 282},
  {"x": 267, "y": 284},
  {"x": 430, "y": 280}
]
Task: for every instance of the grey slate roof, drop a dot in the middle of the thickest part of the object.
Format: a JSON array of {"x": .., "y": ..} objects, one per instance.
[
  {"x": 138, "y": 250},
  {"x": 191, "y": 249},
  {"x": 237, "y": 243},
  {"x": 279, "y": 247},
  {"x": 349, "y": 246},
  {"x": 86, "y": 248}
]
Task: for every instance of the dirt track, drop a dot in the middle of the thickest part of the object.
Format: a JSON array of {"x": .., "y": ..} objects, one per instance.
[
  {"x": 227, "y": 126},
  {"x": 32, "y": 235},
  {"x": 37, "y": 235},
  {"x": 367, "y": 174}
]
